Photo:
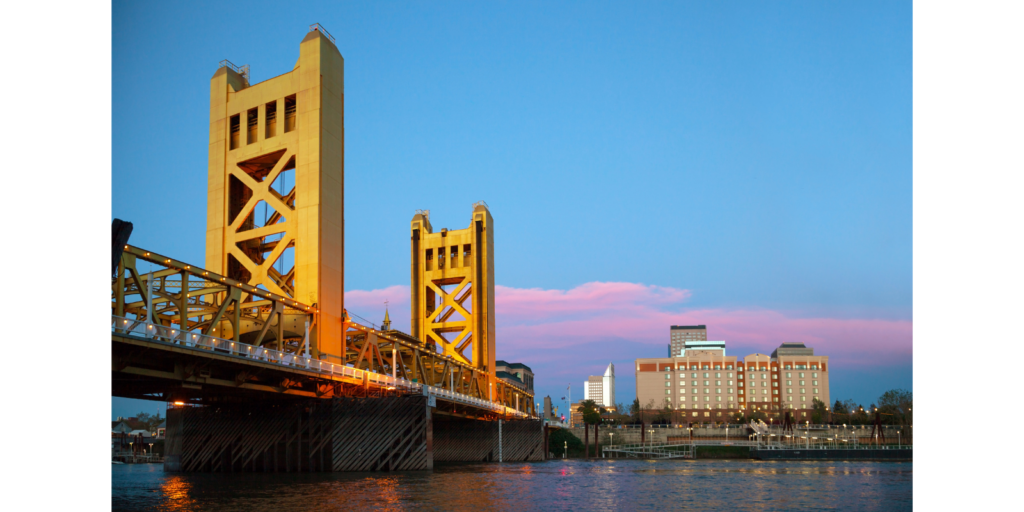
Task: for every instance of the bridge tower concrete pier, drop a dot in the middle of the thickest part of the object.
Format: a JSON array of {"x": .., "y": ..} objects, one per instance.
[
  {"x": 315, "y": 435},
  {"x": 341, "y": 434}
]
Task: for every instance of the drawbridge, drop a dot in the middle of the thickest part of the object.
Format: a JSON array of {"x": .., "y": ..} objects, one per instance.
[{"x": 254, "y": 350}]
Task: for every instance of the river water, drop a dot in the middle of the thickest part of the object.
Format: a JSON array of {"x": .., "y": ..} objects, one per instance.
[{"x": 550, "y": 485}]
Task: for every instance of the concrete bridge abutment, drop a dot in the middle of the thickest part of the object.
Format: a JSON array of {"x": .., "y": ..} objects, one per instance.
[
  {"x": 341, "y": 434},
  {"x": 468, "y": 440}
]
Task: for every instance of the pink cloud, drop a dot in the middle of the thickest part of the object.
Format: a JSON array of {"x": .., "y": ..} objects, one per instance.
[{"x": 535, "y": 319}]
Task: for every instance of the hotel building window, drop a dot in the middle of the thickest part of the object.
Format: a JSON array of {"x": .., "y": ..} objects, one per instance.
[
  {"x": 718, "y": 399},
  {"x": 718, "y": 375},
  {"x": 705, "y": 374},
  {"x": 706, "y": 390},
  {"x": 815, "y": 392},
  {"x": 718, "y": 390},
  {"x": 801, "y": 375},
  {"x": 730, "y": 399},
  {"x": 707, "y": 399},
  {"x": 764, "y": 391},
  {"x": 801, "y": 383},
  {"x": 693, "y": 375},
  {"x": 803, "y": 399},
  {"x": 789, "y": 390},
  {"x": 694, "y": 391},
  {"x": 775, "y": 384},
  {"x": 802, "y": 391},
  {"x": 668, "y": 391},
  {"x": 667, "y": 384},
  {"x": 814, "y": 383},
  {"x": 694, "y": 399},
  {"x": 718, "y": 383},
  {"x": 814, "y": 375},
  {"x": 788, "y": 374},
  {"x": 706, "y": 383},
  {"x": 668, "y": 376},
  {"x": 694, "y": 383},
  {"x": 728, "y": 390},
  {"x": 729, "y": 383}
]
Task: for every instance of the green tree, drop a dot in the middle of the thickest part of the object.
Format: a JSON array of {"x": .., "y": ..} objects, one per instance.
[
  {"x": 561, "y": 437},
  {"x": 818, "y": 413},
  {"x": 840, "y": 408},
  {"x": 149, "y": 421},
  {"x": 591, "y": 416},
  {"x": 896, "y": 406},
  {"x": 634, "y": 408},
  {"x": 590, "y": 412}
]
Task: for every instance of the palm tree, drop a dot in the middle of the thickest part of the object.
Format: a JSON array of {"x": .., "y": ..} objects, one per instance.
[{"x": 591, "y": 416}]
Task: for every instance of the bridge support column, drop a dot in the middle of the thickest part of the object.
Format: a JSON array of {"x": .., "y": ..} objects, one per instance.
[
  {"x": 464, "y": 440},
  {"x": 172, "y": 441},
  {"x": 342, "y": 434}
]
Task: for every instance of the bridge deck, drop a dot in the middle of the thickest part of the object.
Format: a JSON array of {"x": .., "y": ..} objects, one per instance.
[{"x": 166, "y": 362}]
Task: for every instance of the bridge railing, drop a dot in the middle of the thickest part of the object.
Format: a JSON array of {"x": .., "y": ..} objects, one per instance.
[{"x": 198, "y": 341}]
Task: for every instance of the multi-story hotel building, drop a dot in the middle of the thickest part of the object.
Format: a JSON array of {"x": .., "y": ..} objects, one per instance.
[
  {"x": 680, "y": 334},
  {"x": 707, "y": 385}
]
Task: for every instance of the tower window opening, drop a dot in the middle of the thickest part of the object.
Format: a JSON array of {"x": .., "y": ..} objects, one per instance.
[
  {"x": 235, "y": 131},
  {"x": 455, "y": 256},
  {"x": 271, "y": 120},
  {"x": 430, "y": 259},
  {"x": 440, "y": 258},
  {"x": 467, "y": 254},
  {"x": 289, "y": 113},
  {"x": 252, "y": 120}
]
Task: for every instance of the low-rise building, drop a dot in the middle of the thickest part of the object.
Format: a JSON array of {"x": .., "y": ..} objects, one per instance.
[{"x": 707, "y": 385}]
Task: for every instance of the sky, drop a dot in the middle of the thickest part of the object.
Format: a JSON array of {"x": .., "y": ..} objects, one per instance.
[{"x": 743, "y": 165}]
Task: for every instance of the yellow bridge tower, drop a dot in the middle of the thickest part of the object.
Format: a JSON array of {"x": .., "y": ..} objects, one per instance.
[
  {"x": 275, "y": 207},
  {"x": 453, "y": 289}
]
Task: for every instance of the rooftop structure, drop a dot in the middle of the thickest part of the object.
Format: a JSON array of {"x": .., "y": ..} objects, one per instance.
[{"x": 680, "y": 334}]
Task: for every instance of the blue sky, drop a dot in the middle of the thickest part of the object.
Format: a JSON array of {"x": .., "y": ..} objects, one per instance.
[{"x": 755, "y": 155}]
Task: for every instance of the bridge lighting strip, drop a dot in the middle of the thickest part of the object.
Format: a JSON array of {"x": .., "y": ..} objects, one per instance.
[{"x": 433, "y": 390}]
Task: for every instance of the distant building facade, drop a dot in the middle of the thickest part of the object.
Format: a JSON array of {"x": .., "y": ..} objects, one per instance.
[
  {"x": 680, "y": 334},
  {"x": 601, "y": 389},
  {"x": 707, "y": 385},
  {"x": 516, "y": 374}
]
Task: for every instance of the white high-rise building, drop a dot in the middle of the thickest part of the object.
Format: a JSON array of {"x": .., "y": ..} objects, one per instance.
[{"x": 601, "y": 389}]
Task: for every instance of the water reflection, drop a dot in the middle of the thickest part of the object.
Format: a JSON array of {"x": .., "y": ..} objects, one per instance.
[{"x": 552, "y": 485}]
